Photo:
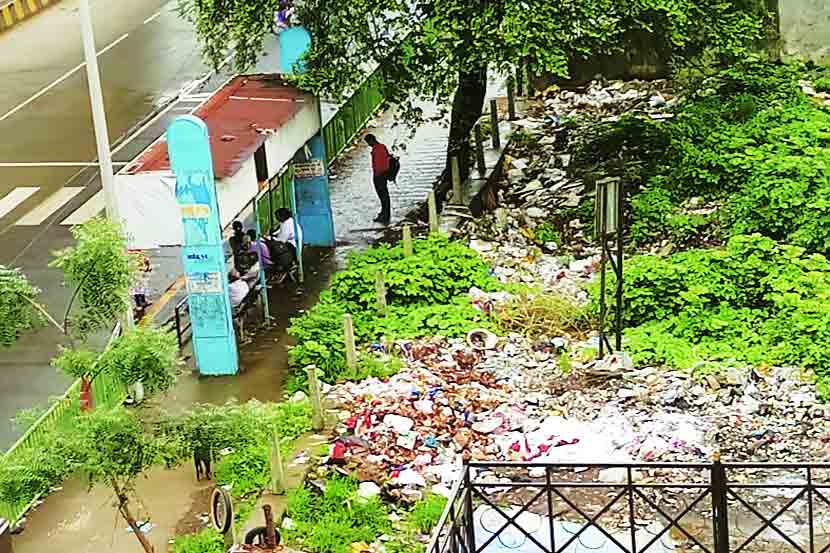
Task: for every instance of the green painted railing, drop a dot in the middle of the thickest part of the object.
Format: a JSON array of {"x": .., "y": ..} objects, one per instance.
[
  {"x": 352, "y": 116},
  {"x": 25, "y": 452}
]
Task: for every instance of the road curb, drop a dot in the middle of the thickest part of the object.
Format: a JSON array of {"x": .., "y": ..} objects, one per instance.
[{"x": 13, "y": 12}]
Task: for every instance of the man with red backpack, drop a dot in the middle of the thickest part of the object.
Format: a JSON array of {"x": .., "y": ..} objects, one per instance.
[{"x": 384, "y": 168}]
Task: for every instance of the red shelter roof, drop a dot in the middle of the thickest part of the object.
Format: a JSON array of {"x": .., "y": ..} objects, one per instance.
[{"x": 239, "y": 117}]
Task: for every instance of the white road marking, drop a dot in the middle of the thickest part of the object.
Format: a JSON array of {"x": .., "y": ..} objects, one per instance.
[
  {"x": 152, "y": 17},
  {"x": 11, "y": 164},
  {"x": 51, "y": 205},
  {"x": 15, "y": 198},
  {"x": 90, "y": 209},
  {"x": 59, "y": 80}
]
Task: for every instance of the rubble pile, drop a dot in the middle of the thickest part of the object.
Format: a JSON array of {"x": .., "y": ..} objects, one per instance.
[
  {"x": 508, "y": 399},
  {"x": 514, "y": 403},
  {"x": 539, "y": 177}
]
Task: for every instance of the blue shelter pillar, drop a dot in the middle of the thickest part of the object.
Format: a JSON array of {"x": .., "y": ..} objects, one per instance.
[{"x": 214, "y": 339}]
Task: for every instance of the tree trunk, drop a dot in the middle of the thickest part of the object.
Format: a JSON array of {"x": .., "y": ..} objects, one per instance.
[
  {"x": 466, "y": 111},
  {"x": 124, "y": 509}
]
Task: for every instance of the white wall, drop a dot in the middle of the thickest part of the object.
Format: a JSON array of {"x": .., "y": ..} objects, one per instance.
[{"x": 281, "y": 147}]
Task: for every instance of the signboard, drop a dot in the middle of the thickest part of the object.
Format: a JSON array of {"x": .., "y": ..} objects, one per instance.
[
  {"x": 214, "y": 338},
  {"x": 309, "y": 170}
]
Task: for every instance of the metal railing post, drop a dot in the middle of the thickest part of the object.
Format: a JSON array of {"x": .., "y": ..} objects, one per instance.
[
  {"x": 494, "y": 124},
  {"x": 480, "y": 162},
  {"x": 511, "y": 99},
  {"x": 720, "y": 514},
  {"x": 467, "y": 519}
]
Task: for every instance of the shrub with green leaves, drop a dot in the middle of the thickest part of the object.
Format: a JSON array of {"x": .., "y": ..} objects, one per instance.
[
  {"x": 100, "y": 272},
  {"x": 426, "y": 296},
  {"x": 206, "y": 541},
  {"x": 330, "y": 522},
  {"x": 754, "y": 301},
  {"x": 17, "y": 306}
]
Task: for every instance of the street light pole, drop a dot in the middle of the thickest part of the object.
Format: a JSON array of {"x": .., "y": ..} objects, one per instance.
[
  {"x": 99, "y": 116},
  {"x": 99, "y": 120}
]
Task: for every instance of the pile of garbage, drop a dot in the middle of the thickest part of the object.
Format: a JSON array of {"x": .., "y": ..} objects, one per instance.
[{"x": 510, "y": 401}]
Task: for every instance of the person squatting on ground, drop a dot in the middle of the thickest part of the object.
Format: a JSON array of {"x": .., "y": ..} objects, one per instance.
[{"x": 381, "y": 165}]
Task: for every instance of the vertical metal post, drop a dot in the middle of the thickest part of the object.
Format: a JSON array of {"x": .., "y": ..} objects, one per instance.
[
  {"x": 551, "y": 523},
  {"x": 263, "y": 282},
  {"x": 720, "y": 514},
  {"x": 603, "y": 240},
  {"x": 511, "y": 99},
  {"x": 178, "y": 327},
  {"x": 99, "y": 121},
  {"x": 468, "y": 510},
  {"x": 631, "y": 511},
  {"x": 494, "y": 124},
  {"x": 618, "y": 318},
  {"x": 531, "y": 90},
  {"x": 457, "y": 193},
  {"x": 810, "y": 509},
  {"x": 480, "y": 161}
]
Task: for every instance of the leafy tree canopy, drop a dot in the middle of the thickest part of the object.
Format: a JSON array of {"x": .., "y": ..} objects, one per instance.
[
  {"x": 100, "y": 272},
  {"x": 425, "y": 44},
  {"x": 441, "y": 50},
  {"x": 18, "y": 311},
  {"x": 143, "y": 354}
]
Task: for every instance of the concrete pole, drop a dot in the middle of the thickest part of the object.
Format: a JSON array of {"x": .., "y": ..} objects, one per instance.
[
  {"x": 99, "y": 116},
  {"x": 99, "y": 120}
]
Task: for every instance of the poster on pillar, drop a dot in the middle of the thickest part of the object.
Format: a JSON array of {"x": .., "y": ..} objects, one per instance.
[
  {"x": 214, "y": 339},
  {"x": 311, "y": 192}
]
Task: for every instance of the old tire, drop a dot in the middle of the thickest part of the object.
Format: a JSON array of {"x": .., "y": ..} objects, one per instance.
[{"x": 257, "y": 536}]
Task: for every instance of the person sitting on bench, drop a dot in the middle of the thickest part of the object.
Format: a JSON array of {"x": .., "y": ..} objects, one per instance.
[
  {"x": 238, "y": 288},
  {"x": 287, "y": 232}
]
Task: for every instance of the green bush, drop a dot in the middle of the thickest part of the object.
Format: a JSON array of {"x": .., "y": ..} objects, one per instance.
[
  {"x": 330, "y": 522},
  {"x": 206, "y": 541},
  {"x": 749, "y": 141},
  {"x": 426, "y": 296},
  {"x": 427, "y": 512},
  {"x": 246, "y": 470},
  {"x": 754, "y": 301}
]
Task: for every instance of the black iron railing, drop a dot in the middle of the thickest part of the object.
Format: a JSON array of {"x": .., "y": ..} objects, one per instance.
[{"x": 637, "y": 508}]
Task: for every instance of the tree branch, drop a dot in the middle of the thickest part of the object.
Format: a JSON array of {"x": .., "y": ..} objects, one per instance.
[{"x": 46, "y": 314}]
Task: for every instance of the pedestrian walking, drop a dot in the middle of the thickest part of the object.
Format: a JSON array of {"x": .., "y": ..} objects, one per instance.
[
  {"x": 381, "y": 164},
  {"x": 142, "y": 285}
]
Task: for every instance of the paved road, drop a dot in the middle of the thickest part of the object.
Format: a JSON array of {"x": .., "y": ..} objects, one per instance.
[{"x": 147, "y": 55}]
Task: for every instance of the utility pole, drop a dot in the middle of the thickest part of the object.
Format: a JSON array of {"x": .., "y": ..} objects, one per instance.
[{"x": 99, "y": 120}]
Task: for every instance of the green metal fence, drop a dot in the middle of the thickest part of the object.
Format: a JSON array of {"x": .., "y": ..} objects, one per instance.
[
  {"x": 353, "y": 115},
  {"x": 27, "y": 451}
]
